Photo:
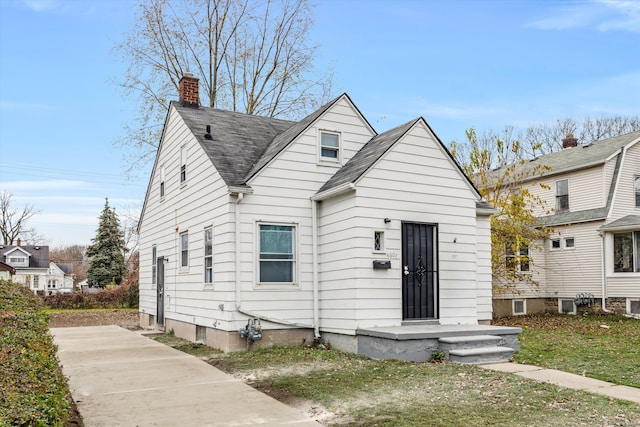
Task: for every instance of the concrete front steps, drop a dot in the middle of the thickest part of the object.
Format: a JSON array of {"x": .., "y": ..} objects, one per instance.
[
  {"x": 475, "y": 349},
  {"x": 479, "y": 344}
]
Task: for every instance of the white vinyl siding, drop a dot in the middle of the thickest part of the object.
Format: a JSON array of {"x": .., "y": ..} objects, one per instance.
[{"x": 207, "y": 202}]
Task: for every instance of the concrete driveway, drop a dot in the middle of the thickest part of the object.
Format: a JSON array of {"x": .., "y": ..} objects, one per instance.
[{"x": 121, "y": 378}]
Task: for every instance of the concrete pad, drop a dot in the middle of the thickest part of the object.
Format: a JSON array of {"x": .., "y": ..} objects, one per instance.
[
  {"x": 120, "y": 378},
  {"x": 565, "y": 379},
  {"x": 510, "y": 367},
  {"x": 623, "y": 392}
]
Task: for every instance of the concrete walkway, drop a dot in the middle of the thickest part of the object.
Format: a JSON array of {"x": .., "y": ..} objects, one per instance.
[
  {"x": 564, "y": 379},
  {"x": 121, "y": 378}
]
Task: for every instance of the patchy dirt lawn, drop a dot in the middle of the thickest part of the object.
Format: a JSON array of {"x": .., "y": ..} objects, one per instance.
[{"x": 122, "y": 317}]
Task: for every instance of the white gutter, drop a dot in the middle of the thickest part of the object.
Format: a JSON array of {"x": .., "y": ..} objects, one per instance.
[
  {"x": 349, "y": 186},
  {"x": 604, "y": 274},
  {"x": 238, "y": 302},
  {"x": 314, "y": 244}
]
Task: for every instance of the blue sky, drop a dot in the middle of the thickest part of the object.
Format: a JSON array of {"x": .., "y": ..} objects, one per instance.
[{"x": 459, "y": 64}]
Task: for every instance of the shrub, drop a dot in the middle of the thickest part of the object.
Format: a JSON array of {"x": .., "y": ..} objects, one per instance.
[
  {"x": 34, "y": 392},
  {"x": 122, "y": 296}
]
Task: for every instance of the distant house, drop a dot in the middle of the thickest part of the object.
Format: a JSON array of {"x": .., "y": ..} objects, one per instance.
[
  {"x": 593, "y": 255},
  {"x": 6, "y": 271},
  {"x": 320, "y": 227},
  {"x": 31, "y": 264},
  {"x": 60, "y": 277}
]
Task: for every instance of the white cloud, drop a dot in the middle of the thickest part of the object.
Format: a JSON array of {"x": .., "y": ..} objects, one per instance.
[{"x": 602, "y": 15}]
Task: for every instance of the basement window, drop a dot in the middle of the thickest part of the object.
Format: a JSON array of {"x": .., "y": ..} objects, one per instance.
[
  {"x": 519, "y": 307},
  {"x": 201, "y": 334},
  {"x": 633, "y": 306},
  {"x": 566, "y": 306}
]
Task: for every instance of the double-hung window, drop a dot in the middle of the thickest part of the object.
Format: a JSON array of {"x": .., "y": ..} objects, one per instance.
[
  {"x": 184, "y": 249},
  {"x": 277, "y": 253},
  {"x": 626, "y": 252},
  {"x": 330, "y": 146},
  {"x": 517, "y": 258},
  {"x": 208, "y": 255},
  {"x": 636, "y": 186},
  {"x": 183, "y": 164},
  {"x": 562, "y": 195}
]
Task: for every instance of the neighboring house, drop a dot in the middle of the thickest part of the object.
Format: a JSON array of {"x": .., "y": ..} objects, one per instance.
[
  {"x": 31, "y": 264},
  {"x": 321, "y": 227},
  {"x": 60, "y": 277},
  {"x": 6, "y": 271},
  {"x": 593, "y": 255}
]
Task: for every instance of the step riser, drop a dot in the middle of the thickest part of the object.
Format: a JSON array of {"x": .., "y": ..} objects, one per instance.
[
  {"x": 480, "y": 360},
  {"x": 469, "y": 344}
]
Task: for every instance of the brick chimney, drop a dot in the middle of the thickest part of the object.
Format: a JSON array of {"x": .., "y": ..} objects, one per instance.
[
  {"x": 19, "y": 242},
  {"x": 188, "y": 91},
  {"x": 569, "y": 141}
]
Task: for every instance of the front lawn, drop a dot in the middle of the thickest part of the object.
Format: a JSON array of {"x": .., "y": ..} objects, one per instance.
[
  {"x": 343, "y": 389},
  {"x": 604, "y": 347}
]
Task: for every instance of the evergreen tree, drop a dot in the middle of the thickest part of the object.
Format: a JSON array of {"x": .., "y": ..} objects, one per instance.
[{"x": 107, "y": 251}]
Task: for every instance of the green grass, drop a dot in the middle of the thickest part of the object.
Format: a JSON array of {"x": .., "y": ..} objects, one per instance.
[
  {"x": 365, "y": 392},
  {"x": 33, "y": 391},
  {"x": 604, "y": 347},
  {"x": 193, "y": 348}
]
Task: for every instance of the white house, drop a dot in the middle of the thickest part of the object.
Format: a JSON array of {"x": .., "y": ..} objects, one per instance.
[
  {"x": 60, "y": 276},
  {"x": 31, "y": 264},
  {"x": 317, "y": 228},
  {"x": 593, "y": 255}
]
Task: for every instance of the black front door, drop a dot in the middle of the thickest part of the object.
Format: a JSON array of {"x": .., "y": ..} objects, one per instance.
[
  {"x": 419, "y": 271},
  {"x": 160, "y": 292}
]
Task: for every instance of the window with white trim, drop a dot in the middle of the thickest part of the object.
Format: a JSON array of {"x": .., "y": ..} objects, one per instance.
[
  {"x": 183, "y": 164},
  {"x": 626, "y": 252},
  {"x": 330, "y": 146},
  {"x": 517, "y": 258},
  {"x": 569, "y": 242},
  {"x": 277, "y": 253},
  {"x": 562, "y": 195},
  {"x": 184, "y": 249},
  {"x": 36, "y": 281},
  {"x": 636, "y": 186},
  {"x": 208, "y": 255},
  {"x": 566, "y": 306},
  {"x": 154, "y": 265},
  {"x": 519, "y": 307},
  {"x": 555, "y": 244}
]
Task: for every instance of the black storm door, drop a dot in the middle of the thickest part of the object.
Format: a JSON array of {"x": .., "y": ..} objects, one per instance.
[
  {"x": 419, "y": 271},
  {"x": 160, "y": 292}
]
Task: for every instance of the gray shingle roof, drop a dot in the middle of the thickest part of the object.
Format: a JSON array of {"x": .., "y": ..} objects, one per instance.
[
  {"x": 281, "y": 141},
  {"x": 367, "y": 155},
  {"x": 237, "y": 140},
  {"x": 582, "y": 156},
  {"x": 626, "y": 222},
  {"x": 39, "y": 255}
]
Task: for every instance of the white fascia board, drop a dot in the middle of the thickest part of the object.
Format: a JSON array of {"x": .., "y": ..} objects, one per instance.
[{"x": 349, "y": 186}]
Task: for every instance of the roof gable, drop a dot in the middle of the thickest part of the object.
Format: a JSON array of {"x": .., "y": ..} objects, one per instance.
[
  {"x": 373, "y": 150},
  {"x": 38, "y": 255},
  {"x": 281, "y": 141}
]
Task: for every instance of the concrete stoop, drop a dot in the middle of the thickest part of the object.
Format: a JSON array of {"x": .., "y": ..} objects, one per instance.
[{"x": 475, "y": 349}]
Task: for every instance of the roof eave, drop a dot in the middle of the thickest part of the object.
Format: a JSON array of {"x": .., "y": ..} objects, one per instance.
[{"x": 335, "y": 191}]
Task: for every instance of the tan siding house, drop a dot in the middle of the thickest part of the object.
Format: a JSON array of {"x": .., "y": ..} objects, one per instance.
[
  {"x": 266, "y": 230},
  {"x": 592, "y": 258}
]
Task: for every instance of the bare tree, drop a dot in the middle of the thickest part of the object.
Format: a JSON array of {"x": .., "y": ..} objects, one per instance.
[
  {"x": 14, "y": 221},
  {"x": 249, "y": 56},
  {"x": 73, "y": 254},
  {"x": 539, "y": 139}
]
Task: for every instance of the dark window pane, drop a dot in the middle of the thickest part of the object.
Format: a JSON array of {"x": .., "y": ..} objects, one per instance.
[
  {"x": 276, "y": 271},
  {"x": 623, "y": 252}
]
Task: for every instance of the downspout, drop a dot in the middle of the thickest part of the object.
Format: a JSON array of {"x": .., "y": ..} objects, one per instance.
[
  {"x": 604, "y": 275},
  {"x": 238, "y": 302},
  {"x": 314, "y": 250}
]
